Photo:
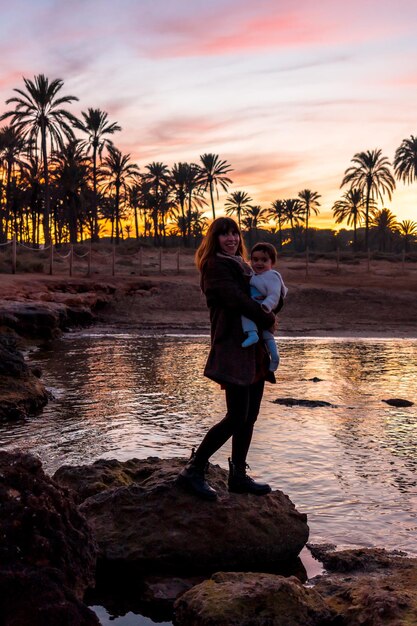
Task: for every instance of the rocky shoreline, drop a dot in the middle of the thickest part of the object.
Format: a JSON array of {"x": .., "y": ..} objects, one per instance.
[
  {"x": 37, "y": 316},
  {"x": 126, "y": 535}
]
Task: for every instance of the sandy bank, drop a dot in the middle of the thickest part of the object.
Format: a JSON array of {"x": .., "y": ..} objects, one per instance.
[{"x": 348, "y": 301}]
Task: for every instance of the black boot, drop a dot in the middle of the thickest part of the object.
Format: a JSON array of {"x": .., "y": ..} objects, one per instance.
[
  {"x": 192, "y": 478},
  {"x": 240, "y": 482}
]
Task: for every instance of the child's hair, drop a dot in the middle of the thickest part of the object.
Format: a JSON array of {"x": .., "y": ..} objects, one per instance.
[
  {"x": 268, "y": 248},
  {"x": 210, "y": 244}
]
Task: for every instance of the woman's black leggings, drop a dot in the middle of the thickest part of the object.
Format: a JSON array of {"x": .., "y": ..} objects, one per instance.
[{"x": 243, "y": 403}]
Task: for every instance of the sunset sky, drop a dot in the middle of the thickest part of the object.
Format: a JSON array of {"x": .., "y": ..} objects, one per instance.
[{"x": 287, "y": 92}]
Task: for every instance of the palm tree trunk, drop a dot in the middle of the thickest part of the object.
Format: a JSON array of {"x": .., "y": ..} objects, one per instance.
[
  {"x": 293, "y": 233},
  {"x": 212, "y": 200},
  {"x": 116, "y": 213},
  {"x": 368, "y": 198},
  {"x": 184, "y": 223},
  {"x": 95, "y": 218},
  {"x": 94, "y": 232},
  {"x": 155, "y": 226},
  {"x": 72, "y": 221},
  {"x": 306, "y": 238},
  {"x": 46, "y": 203},
  {"x": 189, "y": 218},
  {"x": 135, "y": 213},
  {"x": 8, "y": 188},
  {"x": 354, "y": 234},
  {"x": 56, "y": 226}
]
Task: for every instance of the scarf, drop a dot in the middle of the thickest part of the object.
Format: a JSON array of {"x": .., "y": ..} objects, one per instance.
[{"x": 245, "y": 267}]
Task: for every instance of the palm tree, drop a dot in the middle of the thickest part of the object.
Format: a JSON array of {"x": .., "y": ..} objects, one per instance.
[
  {"x": 119, "y": 173},
  {"x": 178, "y": 183},
  {"x": 384, "y": 222},
  {"x": 371, "y": 174},
  {"x": 12, "y": 144},
  {"x": 199, "y": 223},
  {"x": 39, "y": 114},
  {"x": 96, "y": 125},
  {"x": 236, "y": 202},
  {"x": 195, "y": 198},
  {"x": 352, "y": 209},
  {"x": 146, "y": 203},
  {"x": 254, "y": 216},
  {"x": 213, "y": 173},
  {"x": 293, "y": 213},
  {"x": 408, "y": 232},
  {"x": 309, "y": 201},
  {"x": 135, "y": 198},
  {"x": 157, "y": 175},
  {"x": 405, "y": 161},
  {"x": 70, "y": 172},
  {"x": 31, "y": 176},
  {"x": 277, "y": 213}
]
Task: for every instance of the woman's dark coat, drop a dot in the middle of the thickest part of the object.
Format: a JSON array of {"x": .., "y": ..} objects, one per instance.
[{"x": 227, "y": 292}]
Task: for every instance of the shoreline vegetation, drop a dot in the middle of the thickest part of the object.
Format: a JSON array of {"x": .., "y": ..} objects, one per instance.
[{"x": 64, "y": 180}]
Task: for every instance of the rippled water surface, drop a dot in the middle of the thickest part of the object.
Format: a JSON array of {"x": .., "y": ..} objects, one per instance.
[{"x": 351, "y": 467}]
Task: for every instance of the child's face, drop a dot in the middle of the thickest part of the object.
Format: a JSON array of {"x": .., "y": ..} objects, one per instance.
[{"x": 260, "y": 262}]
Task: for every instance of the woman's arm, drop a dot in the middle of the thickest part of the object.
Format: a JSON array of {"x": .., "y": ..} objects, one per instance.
[
  {"x": 271, "y": 285},
  {"x": 222, "y": 285}
]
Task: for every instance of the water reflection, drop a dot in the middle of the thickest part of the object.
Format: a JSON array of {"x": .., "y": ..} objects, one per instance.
[{"x": 352, "y": 468}]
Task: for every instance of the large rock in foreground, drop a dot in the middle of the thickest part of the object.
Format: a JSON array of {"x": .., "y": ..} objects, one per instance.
[
  {"x": 47, "y": 552},
  {"x": 141, "y": 518},
  {"x": 248, "y": 599}
]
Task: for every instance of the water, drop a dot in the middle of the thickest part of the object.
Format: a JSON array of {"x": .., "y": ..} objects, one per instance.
[{"x": 351, "y": 467}]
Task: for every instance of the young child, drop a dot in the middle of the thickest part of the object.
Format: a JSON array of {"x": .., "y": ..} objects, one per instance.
[{"x": 268, "y": 287}]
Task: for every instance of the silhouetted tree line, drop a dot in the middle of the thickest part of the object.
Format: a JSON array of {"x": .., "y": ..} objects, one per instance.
[{"x": 63, "y": 179}]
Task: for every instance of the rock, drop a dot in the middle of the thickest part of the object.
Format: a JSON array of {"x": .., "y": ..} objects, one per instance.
[
  {"x": 39, "y": 313},
  {"x": 142, "y": 518},
  {"x": 79, "y": 316},
  {"x": 52, "y": 312},
  {"x": 398, "y": 402},
  {"x": 34, "y": 319},
  {"x": 249, "y": 599},
  {"x": 21, "y": 392},
  {"x": 308, "y": 403},
  {"x": 47, "y": 552},
  {"x": 361, "y": 559},
  {"x": 12, "y": 362},
  {"x": 369, "y": 587},
  {"x": 39, "y": 598}
]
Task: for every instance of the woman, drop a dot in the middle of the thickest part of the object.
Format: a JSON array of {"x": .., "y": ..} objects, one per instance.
[{"x": 240, "y": 371}]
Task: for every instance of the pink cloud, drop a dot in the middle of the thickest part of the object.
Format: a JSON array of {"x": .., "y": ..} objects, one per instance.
[
  {"x": 245, "y": 34},
  {"x": 266, "y": 169},
  {"x": 404, "y": 80},
  {"x": 176, "y": 136},
  {"x": 11, "y": 80},
  {"x": 236, "y": 27}
]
